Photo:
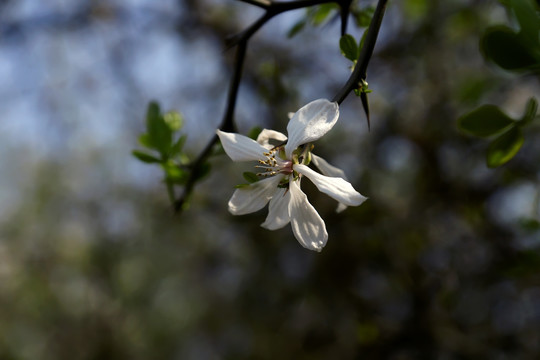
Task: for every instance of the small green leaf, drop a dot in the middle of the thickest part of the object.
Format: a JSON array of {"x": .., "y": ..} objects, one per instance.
[
  {"x": 178, "y": 145},
  {"x": 173, "y": 173},
  {"x": 144, "y": 140},
  {"x": 348, "y": 47},
  {"x": 530, "y": 111},
  {"x": 321, "y": 13},
  {"x": 144, "y": 157},
  {"x": 485, "y": 121},
  {"x": 254, "y": 132},
  {"x": 505, "y": 48},
  {"x": 160, "y": 134},
  {"x": 364, "y": 16},
  {"x": 296, "y": 28},
  {"x": 174, "y": 120},
  {"x": 505, "y": 147},
  {"x": 250, "y": 177}
]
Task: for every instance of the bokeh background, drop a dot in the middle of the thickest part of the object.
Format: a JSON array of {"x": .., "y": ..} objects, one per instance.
[{"x": 442, "y": 261}]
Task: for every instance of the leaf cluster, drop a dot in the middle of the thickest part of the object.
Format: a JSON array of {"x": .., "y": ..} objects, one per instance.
[{"x": 165, "y": 147}]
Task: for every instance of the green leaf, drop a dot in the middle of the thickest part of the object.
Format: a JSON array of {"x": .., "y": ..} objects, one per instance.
[
  {"x": 530, "y": 111},
  {"x": 144, "y": 140},
  {"x": 160, "y": 134},
  {"x": 505, "y": 48},
  {"x": 254, "y": 132},
  {"x": 321, "y": 13},
  {"x": 528, "y": 19},
  {"x": 296, "y": 28},
  {"x": 144, "y": 157},
  {"x": 174, "y": 120},
  {"x": 173, "y": 173},
  {"x": 178, "y": 146},
  {"x": 505, "y": 147},
  {"x": 364, "y": 16},
  {"x": 250, "y": 177},
  {"x": 485, "y": 121},
  {"x": 348, "y": 47}
]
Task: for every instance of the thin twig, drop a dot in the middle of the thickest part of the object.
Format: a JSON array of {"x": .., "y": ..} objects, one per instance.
[
  {"x": 360, "y": 69},
  {"x": 227, "y": 124}
]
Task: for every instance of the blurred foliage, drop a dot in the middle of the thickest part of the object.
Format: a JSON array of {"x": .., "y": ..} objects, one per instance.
[
  {"x": 442, "y": 261},
  {"x": 516, "y": 52}
]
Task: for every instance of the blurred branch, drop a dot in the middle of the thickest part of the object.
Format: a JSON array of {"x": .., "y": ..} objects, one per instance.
[{"x": 241, "y": 39}]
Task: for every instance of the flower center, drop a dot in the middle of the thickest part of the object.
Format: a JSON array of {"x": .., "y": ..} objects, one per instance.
[{"x": 274, "y": 165}]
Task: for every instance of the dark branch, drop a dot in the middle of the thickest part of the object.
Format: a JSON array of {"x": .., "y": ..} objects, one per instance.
[
  {"x": 360, "y": 69},
  {"x": 260, "y": 3},
  {"x": 227, "y": 124}
]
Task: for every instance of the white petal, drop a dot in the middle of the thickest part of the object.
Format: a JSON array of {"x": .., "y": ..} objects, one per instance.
[
  {"x": 307, "y": 225},
  {"x": 326, "y": 168},
  {"x": 278, "y": 210},
  {"x": 240, "y": 147},
  {"x": 266, "y": 135},
  {"x": 329, "y": 170},
  {"x": 251, "y": 198},
  {"x": 310, "y": 123},
  {"x": 337, "y": 188}
]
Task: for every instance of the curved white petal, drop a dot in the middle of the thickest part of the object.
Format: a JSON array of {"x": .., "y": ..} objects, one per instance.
[
  {"x": 329, "y": 170},
  {"x": 254, "y": 197},
  {"x": 240, "y": 147},
  {"x": 337, "y": 188},
  {"x": 310, "y": 123},
  {"x": 266, "y": 135},
  {"x": 308, "y": 227},
  {"x": 278, "y": 210},
  {"x": 326, "y": 168}
]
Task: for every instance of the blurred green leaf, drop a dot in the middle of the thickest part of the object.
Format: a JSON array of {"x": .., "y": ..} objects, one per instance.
[
  {"x": 364, "y": 16},
  {"x": 485, "y": 121},
  {"x": 530, "y": 111},
  {"x": 173, "y": 173},
  {"x": 144, "y": 140},
  {"x": 174, "y": 120},
  {"x": 239, "y": 186},
  {"x": 250, "y": 177},
  {"x": 254, "y": 132},
  {"x": 531, "y": 225},
  {"x": 321, "y": 12},
  {"x": 144, "y": 157},
  {"x": 296, "y": 28},
  {"x": 528, "y": 19},
  {"x": 348, "y": 47},
  {"x": 178, "y": 145},
  {"x": 505, "y": 147},
  {"x": 505, "y": 48},
  {"x": 160, "y": 134}
]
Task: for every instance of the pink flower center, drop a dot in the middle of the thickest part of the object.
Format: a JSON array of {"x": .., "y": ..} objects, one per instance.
[{"x": 274, "y": 165}]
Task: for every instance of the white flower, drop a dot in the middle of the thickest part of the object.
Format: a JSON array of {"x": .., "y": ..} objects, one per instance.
[{"x": 283, "y": 167}]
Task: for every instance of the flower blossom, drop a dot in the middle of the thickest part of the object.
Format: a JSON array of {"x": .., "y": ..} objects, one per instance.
[{"x": 281, "y": 169}]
